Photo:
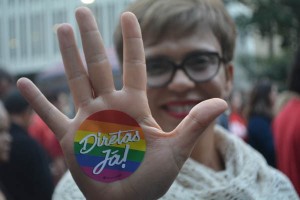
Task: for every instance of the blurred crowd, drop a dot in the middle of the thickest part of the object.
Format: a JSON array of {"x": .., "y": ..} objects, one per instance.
[
  {"x": 31, "y": 158},
  {"x": 268, "y": 120},
  {"x": 263, "y": 117}
]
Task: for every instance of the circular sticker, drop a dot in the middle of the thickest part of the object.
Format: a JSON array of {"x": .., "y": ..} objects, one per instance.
[{"x": 109, "y": 146}]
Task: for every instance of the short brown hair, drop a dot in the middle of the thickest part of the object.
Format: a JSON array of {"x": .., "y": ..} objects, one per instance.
[{"x": 161, "y": 19}]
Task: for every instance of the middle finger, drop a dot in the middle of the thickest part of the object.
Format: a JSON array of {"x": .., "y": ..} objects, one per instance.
[{"x": 99, "y": 69}]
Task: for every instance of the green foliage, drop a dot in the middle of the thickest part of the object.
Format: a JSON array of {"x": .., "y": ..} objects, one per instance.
[
  {"x": 275, "y": 68},
  {"x": 273, "y": 17}
]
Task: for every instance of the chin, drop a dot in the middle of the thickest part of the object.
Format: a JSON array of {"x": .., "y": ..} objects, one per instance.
[{"x": 170, "y": 125}]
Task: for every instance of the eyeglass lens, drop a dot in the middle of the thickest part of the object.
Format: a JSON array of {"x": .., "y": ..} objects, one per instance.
[{"x": 198, "y": 67}]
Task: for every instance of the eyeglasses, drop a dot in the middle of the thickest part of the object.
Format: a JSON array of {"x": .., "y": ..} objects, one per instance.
[{"x": 198, "y": 66}]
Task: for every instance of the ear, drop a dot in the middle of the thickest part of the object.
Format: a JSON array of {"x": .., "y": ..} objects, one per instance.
[{"x": 229, "y": 72}]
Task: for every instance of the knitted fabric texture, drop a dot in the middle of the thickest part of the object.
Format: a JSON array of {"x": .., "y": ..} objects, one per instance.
[{"x": 246, "y": 177}]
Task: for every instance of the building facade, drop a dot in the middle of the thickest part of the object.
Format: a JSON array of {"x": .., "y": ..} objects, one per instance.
[{"x": 28, "y": 30}]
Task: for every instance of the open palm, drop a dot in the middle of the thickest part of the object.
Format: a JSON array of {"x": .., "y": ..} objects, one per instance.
[{"x": 93, "y": 90}]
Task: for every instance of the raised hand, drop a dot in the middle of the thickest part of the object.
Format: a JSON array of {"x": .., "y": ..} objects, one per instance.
[{"x": 93, "y": 90}]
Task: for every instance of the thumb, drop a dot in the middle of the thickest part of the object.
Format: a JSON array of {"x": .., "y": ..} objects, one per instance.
[{"x": 192, "y": 126}]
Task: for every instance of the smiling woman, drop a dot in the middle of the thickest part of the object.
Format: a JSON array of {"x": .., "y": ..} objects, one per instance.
[{"x": 187, "y": 155}]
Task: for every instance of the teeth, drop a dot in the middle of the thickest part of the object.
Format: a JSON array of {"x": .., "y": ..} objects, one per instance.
[{"x": 180, "y": 109}]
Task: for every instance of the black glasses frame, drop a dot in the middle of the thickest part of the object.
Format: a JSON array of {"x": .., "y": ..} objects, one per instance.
[{"x": 181, "y": 66}]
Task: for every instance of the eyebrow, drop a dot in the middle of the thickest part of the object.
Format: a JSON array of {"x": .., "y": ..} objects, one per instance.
[{"x": 195, "y": 52}]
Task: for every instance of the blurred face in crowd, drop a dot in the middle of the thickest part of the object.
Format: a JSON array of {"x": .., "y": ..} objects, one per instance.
[
  {"x": 273, "y": 94},
  {"x": 5, "y": 86},
  {"x": 5, "y": 137},
  {"x": 171, "y": 99}
]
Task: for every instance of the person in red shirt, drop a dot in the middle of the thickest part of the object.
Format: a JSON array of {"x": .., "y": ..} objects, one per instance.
[{"x": 287, "y": 130}]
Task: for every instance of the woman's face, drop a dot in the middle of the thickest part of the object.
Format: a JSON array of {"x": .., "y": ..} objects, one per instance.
[
  {"x": 171, "y": 103},
  {"x": 5, "y": 137}
]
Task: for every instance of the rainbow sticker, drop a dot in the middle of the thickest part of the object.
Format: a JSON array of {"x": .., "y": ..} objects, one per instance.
[{"x": 109, "y": 146}]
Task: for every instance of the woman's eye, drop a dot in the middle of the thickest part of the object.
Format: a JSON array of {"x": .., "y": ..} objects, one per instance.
[{"x": 157, "y": 68}]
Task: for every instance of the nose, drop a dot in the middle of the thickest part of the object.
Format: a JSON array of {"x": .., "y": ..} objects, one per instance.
[{"x": 181, "y": 82}]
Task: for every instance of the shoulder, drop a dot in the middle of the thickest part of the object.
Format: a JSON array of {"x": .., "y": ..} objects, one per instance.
[
  {"x": 281, "y": 185},
  {"x": 291, "y": 107}
]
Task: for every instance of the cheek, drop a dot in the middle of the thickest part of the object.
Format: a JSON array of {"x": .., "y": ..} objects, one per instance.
[
  {"x": 212, "y": 89},
  {"x": 222, "y": 85},
  {"x": 153, "y": 95}
]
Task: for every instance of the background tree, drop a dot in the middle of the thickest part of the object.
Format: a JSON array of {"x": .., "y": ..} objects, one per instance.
[{"x": 270, "y": 19}]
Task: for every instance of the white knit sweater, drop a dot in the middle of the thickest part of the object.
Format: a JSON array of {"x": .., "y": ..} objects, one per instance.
[{"x": 246, "y": 177}]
